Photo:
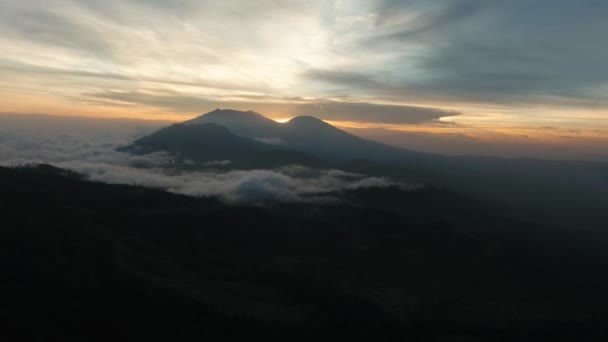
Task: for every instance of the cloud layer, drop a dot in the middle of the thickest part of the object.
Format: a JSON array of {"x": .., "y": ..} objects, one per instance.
[
  {"x": 248, "y": 186},
  {"x": 501, "y": 51},
  {"x": 93, "y": 154}
]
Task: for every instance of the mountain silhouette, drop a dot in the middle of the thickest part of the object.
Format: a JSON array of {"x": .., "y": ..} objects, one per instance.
[
  {"x": 305, "y": 133},
  {"x": 315, "y": 136},
  {"x": 251, "y": 140},
  {"x": 379, "y": 262},
  {"x": 248, "y": 124},
  {"x": 201, "y": 142},
  {"x": 205, "y": 142}
]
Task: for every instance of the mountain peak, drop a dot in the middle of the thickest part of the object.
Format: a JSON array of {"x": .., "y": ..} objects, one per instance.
[{"x": 244, "y": 123}]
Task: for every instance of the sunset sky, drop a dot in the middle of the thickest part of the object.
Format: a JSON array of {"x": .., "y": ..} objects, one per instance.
[{"x": 487, "y": 69}]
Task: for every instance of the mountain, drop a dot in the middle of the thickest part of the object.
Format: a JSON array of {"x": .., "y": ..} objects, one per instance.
[
  {"x": 317, "y": 137},
  {"x": 203, "y": 142},
  {"x": 305, "y": 133},
  {"x": 235, "y": 135},
  {"x": 163, "y": 266},
  {"x": 198, "y": 144},
  {"x": 248, "y": 124},
  {"x": 540, "y": 188}
]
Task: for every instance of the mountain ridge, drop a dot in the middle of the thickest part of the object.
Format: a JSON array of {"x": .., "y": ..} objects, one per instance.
[
  {"x": 245, "y": 123},
  {"x": 197, "y": 144},
  {"x": 305, "y": 133},
  {"x": 537, "y": 185}
]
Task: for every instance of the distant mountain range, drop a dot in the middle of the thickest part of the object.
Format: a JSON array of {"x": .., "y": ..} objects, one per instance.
[
  {"x": 304, "y": 133},
  {"x": 250, "y": 140},
  {"x": 248, "y": 124},
  {"x": 493, "y": 250}
]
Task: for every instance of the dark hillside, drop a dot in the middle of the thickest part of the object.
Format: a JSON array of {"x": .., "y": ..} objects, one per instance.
[{"x": 92, "y": 262}]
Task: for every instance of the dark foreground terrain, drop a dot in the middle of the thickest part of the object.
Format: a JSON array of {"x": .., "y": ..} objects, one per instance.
[{"x": 84, "y": 261}]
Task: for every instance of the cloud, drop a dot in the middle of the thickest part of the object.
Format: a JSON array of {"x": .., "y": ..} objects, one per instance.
[
  {"x": 323, "y": 109},
  {"x": 374, "y": 113},
  {"x": 165, "y": 57},
  {"x": 40, "y": 138},
  {"x": 500, "y": 51},
  {"x": 236, "y": 185},
  {"x": 217, "y": 163},
  {"x": 93, "y": 153},
  {"x": 42, "y": 25},
  {"x": 430, "y": 15}
]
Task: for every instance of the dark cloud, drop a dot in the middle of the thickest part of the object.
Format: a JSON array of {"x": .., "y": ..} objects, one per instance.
[
  {"x": 501, "y": 51},
  {"x": 374, "y": 113},
  {"x": 40, "y": 24},
  {"x": 180, "y": 103},
  {"x": 327, "y": 110},
  {"x": 432, "y": 15},
  {"x": 353, "y": 79}
]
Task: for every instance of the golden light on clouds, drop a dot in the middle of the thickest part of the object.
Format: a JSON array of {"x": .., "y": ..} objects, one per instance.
[{"x": 354, "y": 63}]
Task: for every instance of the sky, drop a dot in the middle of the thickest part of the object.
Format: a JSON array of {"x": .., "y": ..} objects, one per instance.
[{"x": 494, "y": 71}]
